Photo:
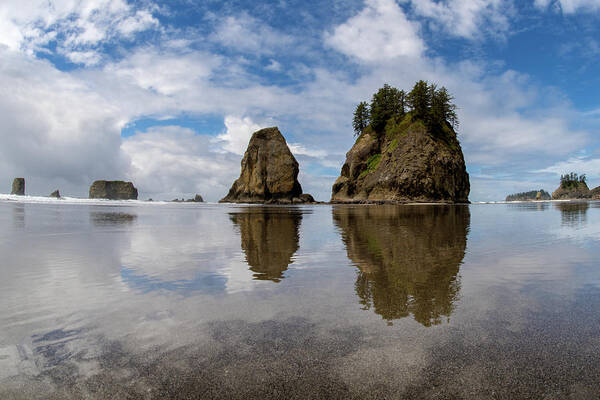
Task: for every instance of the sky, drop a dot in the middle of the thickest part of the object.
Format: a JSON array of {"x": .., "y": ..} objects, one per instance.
[{"x": 167, "y": 94}]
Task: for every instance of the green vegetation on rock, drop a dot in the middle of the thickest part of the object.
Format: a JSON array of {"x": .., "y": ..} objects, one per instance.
[
  {"x": 372, "y": 164},
  {"x": 389, "y": 106}
]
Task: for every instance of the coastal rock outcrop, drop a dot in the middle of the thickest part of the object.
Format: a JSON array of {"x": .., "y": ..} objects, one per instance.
[
  {"x": 55, "y": 194},
  {"x": 407, "y": 162},
  {"x": 18, "y": 187},
  {"x": 595, "y": 193},
  {"x": 528, "y": 196},
  {"x": 113, "y": 190},
  {"x": 572, "y": 191},
  {"x": 269, "y": 171}
]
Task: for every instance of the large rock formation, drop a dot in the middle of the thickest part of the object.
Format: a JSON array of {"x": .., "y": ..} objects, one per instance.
[
  {"x": 269, "y": 172},
  {"x": 595, "y": 193},
  {"x": 407, "y": 162},
  {"x": 270, "y": 239},
  {"x": 18, "y": 187},
  {"x": 113, "y": 190},
  {"x": 408, "y": 257},
  {"x": 572, "y": 191}
]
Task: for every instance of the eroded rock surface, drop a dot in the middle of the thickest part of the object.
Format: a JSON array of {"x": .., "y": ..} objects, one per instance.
[
  {"x": 405, "y": 163},
  {"x": 113, "y": 190},
  {"x": 572, "y": 191},
  {"x": 18, "y": 187},
  {"x": 269, "y": 171}
]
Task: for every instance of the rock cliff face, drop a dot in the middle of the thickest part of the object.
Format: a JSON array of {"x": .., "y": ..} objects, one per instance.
[
  {"x": 18, "y": 186},
  {"x": 595, "y": 193},
  {"x": 405, "y": 163},
  {"x": 269, "y": 172},
  {"x": 408, "y": 257},
  {"x": 113, "y": 190},
  {"x": 575, "y": 190}
]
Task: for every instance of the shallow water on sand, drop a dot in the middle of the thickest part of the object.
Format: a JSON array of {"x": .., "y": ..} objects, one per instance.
[{"x": 217, "y": 301}]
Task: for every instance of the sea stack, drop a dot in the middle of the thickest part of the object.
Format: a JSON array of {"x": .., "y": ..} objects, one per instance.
[
  {"x": 572, "y": 187},
  {"x": 269, "y": 172},
  {"x": 404, "y": 155},
  {"x": 113, "y": 190},
  {"x": 55, "y": 194},
  {"x": 408, "y": 163},
  {"x": 18, "y": 186}
]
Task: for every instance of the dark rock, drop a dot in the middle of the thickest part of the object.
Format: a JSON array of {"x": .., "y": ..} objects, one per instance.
[
  {"x": 198, "y": 199},
  {"x": 307, "y": 198},
  {"x": 405, "y": 163},
  {"x": 18, "y": 186},
  {"x": 572, "y": 191},
  {"x": 55, "y": 194},
  {"x": 269, "y": 171},
  {"x": 113, "y": 190},
  {"x": 595, "y": 193}
]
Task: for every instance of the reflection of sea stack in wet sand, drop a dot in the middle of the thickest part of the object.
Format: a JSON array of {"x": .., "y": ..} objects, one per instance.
[
  {"x": 113, "y": 190},
  {"x": 269, "y": 239},
  {"x": 18, "y": 187},
  {"x": 269, "y": 172},
  {"x": 408, "y": 257}
]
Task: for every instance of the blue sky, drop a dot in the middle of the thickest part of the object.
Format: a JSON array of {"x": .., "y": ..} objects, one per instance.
[{"x": 167, "y": 94}]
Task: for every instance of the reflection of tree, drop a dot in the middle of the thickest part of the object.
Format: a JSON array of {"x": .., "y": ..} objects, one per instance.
[
  {"x": 269, "y": 239},
  {"x": 573, "y": 213},
  {"x": 408, "y": 257}
]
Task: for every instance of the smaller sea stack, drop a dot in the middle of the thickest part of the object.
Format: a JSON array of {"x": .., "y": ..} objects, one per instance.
[
  {"x": 18, "y": 186},
  {"x": 113, "y": 190}
]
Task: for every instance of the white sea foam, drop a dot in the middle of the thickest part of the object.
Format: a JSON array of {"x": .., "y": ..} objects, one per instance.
[{"x": 76, "y": 200}]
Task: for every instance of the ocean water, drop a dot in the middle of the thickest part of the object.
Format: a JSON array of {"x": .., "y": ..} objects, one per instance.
[{"x": 157, "y": 300}]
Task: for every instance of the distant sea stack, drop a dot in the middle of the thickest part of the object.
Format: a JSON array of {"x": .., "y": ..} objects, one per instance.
[
  {"x": 55, "y": 194},
  {"x": 18, "y": 186},
  {"x": 113, "y": 190},
  {"x": 529, "y": 196},
  {"x": 269, "y": 172},
  {"x": 404, "y": 155},
  {"x": 572, "y": 187}
]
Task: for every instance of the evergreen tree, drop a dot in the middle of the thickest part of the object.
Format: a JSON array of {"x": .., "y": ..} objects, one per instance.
[
  {"x": 442, "y": 109},
  {"x": 388, "y": 102},
  {"x": 361, "y": 117},
  {"x": 419, "y": 99}
]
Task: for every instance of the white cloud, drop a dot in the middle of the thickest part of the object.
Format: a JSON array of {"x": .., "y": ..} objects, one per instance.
[
  {"x": 247, "y": 34},
  {"x": 54, "y": 126},
  {"x": 581, "y": 165},
  {"x": 300, "y": 150},
  {"x": 238, "y": 133},
  {"x": 77, "y": 26},
  {"x": 569, "y": 6},
  {"x": 466, "y": 18},
  {"x": 166, "y": 72},
  {"x": 274, "y": 66},
  {"x": 174, "y": 161},
  {"x": 380, "y": 31}
]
